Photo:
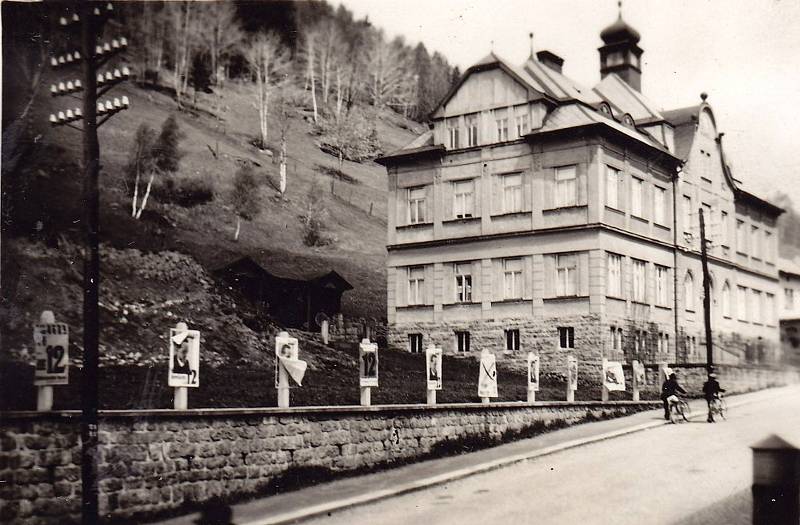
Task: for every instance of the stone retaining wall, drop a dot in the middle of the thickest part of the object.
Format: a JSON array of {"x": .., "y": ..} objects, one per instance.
[{"x": 159, "y": 461}]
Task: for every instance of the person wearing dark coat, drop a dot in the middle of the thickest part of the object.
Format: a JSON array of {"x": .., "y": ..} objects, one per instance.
[
  {"x": 670, "y": 388},
  {"x": 711, "y": 390}
]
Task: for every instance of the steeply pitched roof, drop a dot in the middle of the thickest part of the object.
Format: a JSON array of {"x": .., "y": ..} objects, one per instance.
[
  {"x": 684, "y": 122},
  {"x": 625, "y": 99}
]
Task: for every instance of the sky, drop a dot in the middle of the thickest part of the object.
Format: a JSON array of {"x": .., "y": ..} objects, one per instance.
[{"x": 744, "y": 53}]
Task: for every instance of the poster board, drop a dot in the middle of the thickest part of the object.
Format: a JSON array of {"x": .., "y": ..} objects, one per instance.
[
  {"x": 433, "y": 368},
  {"x": 287, "y": 350},
  {"x": 638, "y": 374},
  {"x": 533, "y": 372},
  {"x": 613, "y": 376},
  {"x": 572, "y": 372},
  {"x": 368, "y": 364},
  {"x": 184, "y": 358},
  {"x": 51, "y": 351},
  {"x": 487, "y": 377}
]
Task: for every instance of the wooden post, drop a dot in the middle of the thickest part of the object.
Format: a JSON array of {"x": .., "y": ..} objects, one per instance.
[
  {"x": 604, "y": 390},
  {"x": 776, "y": 482},
  {"x": 431, "y": 397},
  {"x": 706, "y": 295},
  {"x": 366, "y": 396}
]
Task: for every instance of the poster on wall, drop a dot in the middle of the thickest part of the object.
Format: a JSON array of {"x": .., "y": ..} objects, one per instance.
[
  {"x": 487, "y": 377},
  {"x": 184, "y": 357},
  {"x": 638, "y": 373},
  {"x": 368, "y": 364},
  {"x": 287, "y": 355},
  {"x": 613, "y": 376},
  {"x": 433, "y": 360},
  {"x": 572, "y": 372},
  {"x": 51, "y": 351},
  {"x": 533, "y": 372}
]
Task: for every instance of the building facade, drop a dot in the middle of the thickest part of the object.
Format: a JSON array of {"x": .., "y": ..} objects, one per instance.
[
  {"x": 539, "y": 215},
  {"x": 789, "y": 272}
]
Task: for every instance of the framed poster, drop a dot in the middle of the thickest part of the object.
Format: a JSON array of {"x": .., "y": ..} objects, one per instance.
[
  {"x": 613, "y": 376},
  {"x": 433, "y": 368},
  {"x": 287, "y": 349},
  {"x": 487, "y": 377},
  {"x": 184, "y": 358},
  {"x": 51, "y": 351},
  {"x": 572, "y": 372},
  {"x": 368, "y": 364},
  {"x": 533, "y": 372}
]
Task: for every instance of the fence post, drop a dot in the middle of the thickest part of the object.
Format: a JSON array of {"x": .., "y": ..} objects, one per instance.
[{"x": 776, "y": 482}]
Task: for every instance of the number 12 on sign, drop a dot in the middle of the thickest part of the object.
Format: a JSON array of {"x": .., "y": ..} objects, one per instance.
[{"x": 51, "y": 349}]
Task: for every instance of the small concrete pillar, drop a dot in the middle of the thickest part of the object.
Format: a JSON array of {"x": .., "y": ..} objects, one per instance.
[
  {"x": 531, "y": 395},
  {"x": 180, "y": 400},
  {"x": 431, "y": 397},
  {"x": 776, "y": 482},
  {"x": 366, "y": 396},
  {"x": 635, "y": 386},
  {"x": 603, "y": 389}
]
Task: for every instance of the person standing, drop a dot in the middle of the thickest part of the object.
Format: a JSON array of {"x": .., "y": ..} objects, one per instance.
[{"x": 711, "y": 390}]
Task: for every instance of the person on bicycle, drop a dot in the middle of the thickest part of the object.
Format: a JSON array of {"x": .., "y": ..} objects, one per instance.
[
  {"x": 711, "y": 389},
  {"x": 669, "y": 391}
]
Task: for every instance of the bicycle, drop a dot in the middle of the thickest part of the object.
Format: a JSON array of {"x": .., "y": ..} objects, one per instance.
[
  {"x": 718, "y": 406},
  {"x": 679, "y": 410}
]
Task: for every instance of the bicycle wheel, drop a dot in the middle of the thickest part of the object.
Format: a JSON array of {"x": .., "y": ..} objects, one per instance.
[
  {"x": 722, "y": 408},
  {"x": 686, "y": 410}
]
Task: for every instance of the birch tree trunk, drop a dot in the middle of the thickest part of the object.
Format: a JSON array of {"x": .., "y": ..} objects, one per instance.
[
  {"x": 146, "y": 195},
  {"x": 311, "y": 75},
  {"x": 238, "y": 228}
]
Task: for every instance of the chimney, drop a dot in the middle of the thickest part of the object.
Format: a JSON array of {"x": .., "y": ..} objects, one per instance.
[{"x": 550, "y": 59}]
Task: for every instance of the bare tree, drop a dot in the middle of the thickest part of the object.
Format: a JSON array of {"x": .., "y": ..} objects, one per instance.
[
  {"x": 221, "y": 33},
  {"x": 390, "y": 73},
  {"x": 244, "y": 197},
  {"x": 284, "y": 122},
  {"x": 141, "y": 162},
  {"x": 309, "y": 46},
  {"x": 182, "y": 36},
  {"x": 269, "y": 63}
]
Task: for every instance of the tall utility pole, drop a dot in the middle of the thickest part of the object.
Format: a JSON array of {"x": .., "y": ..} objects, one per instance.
[{"x": 706, "y": 294}]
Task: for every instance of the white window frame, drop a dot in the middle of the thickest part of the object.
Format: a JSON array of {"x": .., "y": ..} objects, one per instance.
[
  {"x": 723, "y": 221},
  {"x": 522, "y": 125},
  {"x": 769, "y": 309},
  {"x": 472, "y": 129},
  {"x": 512, "y": 279},
  {"x": 613, "y": 186},
  {"x": 512, "y": 339},
  {"x": 566, "y": 337},
  {"x": 463, "y": 282},
  {"x": 453, "y": 132},
  {"x": 614, "y": 274},
  {"x": 566, "y": 275},
  {"x": 512, "y": 192},
  {"x": 755, "y": 239},
  {"x": 566, "y": 182},
  {"x": 788, "y": 299},
  {"x": 412, "y": 347},
  {"x": 637, "y": 196},
  {"x": 756, "y": 306},
  {"x": 687, "y": 213},
  {"x": 501, "y": 129},
  {"x": 463, "y": 341},
  {"x": 464, "y": 198},
  {"x": 416, "y": 285},
  {"x": 742, "y": 304},
  {"x": 639, "y": 280},
  {"x": 662, "y": 285},
  {"x": 415, "y": 205},
  {"x": 660, "y": 205}
]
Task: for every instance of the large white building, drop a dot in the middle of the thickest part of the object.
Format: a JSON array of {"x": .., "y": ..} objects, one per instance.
[{"x": 538, "y": 214}]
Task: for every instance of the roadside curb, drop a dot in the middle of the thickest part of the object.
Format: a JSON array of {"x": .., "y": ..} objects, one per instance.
[{"x": 404, "y": 488}]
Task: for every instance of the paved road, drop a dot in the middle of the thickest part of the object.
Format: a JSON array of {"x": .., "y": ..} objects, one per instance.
[{"x": 690, "y": 473}]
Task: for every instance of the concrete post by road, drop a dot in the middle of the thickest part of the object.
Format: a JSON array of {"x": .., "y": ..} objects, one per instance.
[
  {"x": 431, "y": 397},
  {"x": 531, "y": 395},
  {"x": 181, "y": 393},
  {"x": 366, "y": 396},
  {"x": 776, "y": 482},
  {"x": 603, "y": 389},
  {"x": 635, "y": 380}
]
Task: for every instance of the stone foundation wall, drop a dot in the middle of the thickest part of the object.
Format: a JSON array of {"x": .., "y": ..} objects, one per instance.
[{"x": 158, "y": 461}]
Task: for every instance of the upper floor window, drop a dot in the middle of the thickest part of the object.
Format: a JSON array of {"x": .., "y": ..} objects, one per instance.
[
  {"x": 687, "y": 213},
  {"x": 662, "y": 285},
  {"x": 723, "y": 224},
  {"x": 472, "y": 129},
  {"x": 416, "y": 285},
  {"x": 523, "y": 124},
  {"x": 756, "y": 306},
  {"x": 769, "y": 309},
  {"x": 464, "y": 198},
  {"x": 741, "y": 302},
  {"x": 566, "y": 275},
  {"x": 452, "y": 132},
  {"x": 741, "y": 236},
  {"x": 613, "y": 183},
  {"x": 768, "y": 246},
  {"x": 788, "y": 299},
  {"x": 501, "y": 129},
  {"x": 637, "y": 196},
  {"x": 605, "y": 108},
  {"x": 726, "y": 299},
  {"x": 566, "y": 186},
  {"x": 463, "y": 282},
  {"x": 512, "y": 278},
  {"x": 660, "y": 205},
  {"x": 639, "y": 269},
  {"x": 614, "y": 275},
  {"x": 416, "y": 205},
  {"x": 512, "y": 193},
  {"x": 755, "y": 248},
  {"x": 688, "y": 291}
]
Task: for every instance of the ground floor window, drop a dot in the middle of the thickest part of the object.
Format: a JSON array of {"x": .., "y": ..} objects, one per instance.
[
  {"x": 512, "y": 339},
  {"x": 462, "y": 341},
  {"x": 415, "y": 343},
  {"x": 566, "y": 337}
]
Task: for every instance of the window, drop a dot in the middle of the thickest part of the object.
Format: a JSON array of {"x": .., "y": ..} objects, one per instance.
[
  {"x": 566, "y": 337},
  {"x": 756, "y": 306},
  {"x": 416, "y": 285},
  {"x": 637, "y": 196},
  {"x": 660, "y": 205},
  {"x": 566, "y": 275},
  {"x": 741, "y": 302},
  {"x": 613, "y": 183},
  {"x": 416, "y": 205},
  {"x": 512, "y": 339},
  {"x": 512, "y": 193},
  {"x": 616, "y": 338},
  {"x": 452, "y": 132},
  {"x": 522, "y": 125},
  {"x": 566, "y": 194},
  {"x": 512, "y": 278},
  {"x": 688, "y": 291},
  {"x": 463, "y": 283},
  {"x": 662, "y": 285},
  {"x": 464, "y": 198},
  {"x": 687, "y": 213},
  {"x": 768, "y": 245},
  {"x": 788, "y": 299},
  {"x": 726, "y": 300},
  {"x": 614, "y": 275},
  {"x": 501, "y": 124},
  {"x": 462, "y": 341},
  {"x": 472, "y": 130},
  {"x": 755, "y": 247},
  {"x": 639, "y": 269},
  {"x": 723, "y": 223},
  {"x": 769, "y": 309},
  {"x": 415, "y": 343},
  {"x": 741, "y": 236}
]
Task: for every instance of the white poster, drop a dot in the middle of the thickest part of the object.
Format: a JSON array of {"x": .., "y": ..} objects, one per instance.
[
  {"x": 533, "y": 372},
  {"x": 287, "y": 353},
  {"x": 572, "y": 372},
  {"x": 613, "y": 376},
  {"x": 638, "y": 374},
  {"x": 433, "y": 368},
  {"x": 51, "y": 350},
  {"x": 487, "y": 377},
  {"x": 368, "y": 363},
  {"x": 184, "y": 358}
]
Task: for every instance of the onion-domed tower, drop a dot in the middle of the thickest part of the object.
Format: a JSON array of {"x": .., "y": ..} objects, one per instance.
[{"x": 620, "y": 53}]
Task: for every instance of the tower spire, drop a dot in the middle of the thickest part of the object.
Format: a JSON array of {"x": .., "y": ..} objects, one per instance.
[{"x": 530, "y": 36}]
